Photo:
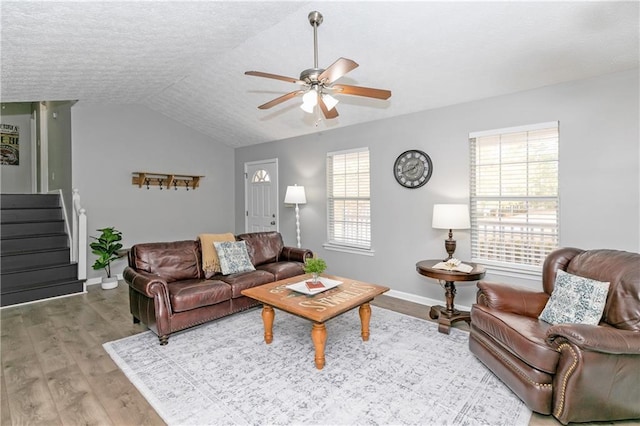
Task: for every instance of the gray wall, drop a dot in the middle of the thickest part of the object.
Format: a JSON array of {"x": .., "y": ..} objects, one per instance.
[
  {"x": 17, "y": 179},
  {"x": 59, "y": 149},
  {"x": 111, "y": 142},
  {"x": 599, "y": 178}
]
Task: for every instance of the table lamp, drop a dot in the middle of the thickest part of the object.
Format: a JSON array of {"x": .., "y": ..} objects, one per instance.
[
  {"x": 295, "y": 195},
  {"x": 450, "y": 216}
]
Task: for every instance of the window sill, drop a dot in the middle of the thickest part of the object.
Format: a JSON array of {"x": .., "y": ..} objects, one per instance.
[{"x": 346, "y": 249}]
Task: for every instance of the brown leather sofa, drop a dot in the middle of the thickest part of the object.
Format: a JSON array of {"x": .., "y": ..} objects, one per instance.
[
  {"x": 576, "y": 372},
  {"x": 168, "y": 291}
]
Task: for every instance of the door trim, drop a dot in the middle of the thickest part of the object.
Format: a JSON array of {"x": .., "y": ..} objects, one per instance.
[{"x": 246, "y": 190}]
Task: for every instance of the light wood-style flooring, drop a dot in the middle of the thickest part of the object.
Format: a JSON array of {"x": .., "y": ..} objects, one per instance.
[{"x": 55, "y": 371}]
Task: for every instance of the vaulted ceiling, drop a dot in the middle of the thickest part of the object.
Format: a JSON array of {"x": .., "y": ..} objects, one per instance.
[{"x": 187, "y": 60}]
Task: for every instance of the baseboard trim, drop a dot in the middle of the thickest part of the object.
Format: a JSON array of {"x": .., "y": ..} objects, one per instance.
[
  {"x": 98, "y": 280},
  {"x": 427, "y": 301},
  {"x": 94, "y": 281}
]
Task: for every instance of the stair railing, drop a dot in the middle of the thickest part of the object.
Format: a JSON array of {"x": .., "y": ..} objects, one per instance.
[{"x": 79, "y": 243}]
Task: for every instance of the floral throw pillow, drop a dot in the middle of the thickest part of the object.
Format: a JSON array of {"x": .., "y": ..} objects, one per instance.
[
  {"x": 575, "y": 300},
  {"x": 233, "y": 257}
]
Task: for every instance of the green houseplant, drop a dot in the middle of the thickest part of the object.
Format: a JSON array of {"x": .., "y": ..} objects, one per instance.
[
  {"x": 105, "y": 247},
  {"x": 314, "y": 266}
]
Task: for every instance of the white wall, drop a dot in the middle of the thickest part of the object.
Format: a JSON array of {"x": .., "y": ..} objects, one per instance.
[
  {"x": 599, "y": 177},
  {"x": 111, "y": 142},
  {"x": 17, "y": 179}
]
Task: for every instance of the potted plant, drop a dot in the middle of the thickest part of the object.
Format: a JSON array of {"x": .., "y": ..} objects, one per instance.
[
  {"x": 314, "y": 266},
  {"x": 105, "y": 247}
]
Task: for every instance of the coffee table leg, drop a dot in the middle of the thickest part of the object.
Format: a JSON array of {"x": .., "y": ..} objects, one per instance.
[
  {"x": 319, "y": 338},
  {"x": 365, "y": 316},
  {"x": 267, "y": 319}
]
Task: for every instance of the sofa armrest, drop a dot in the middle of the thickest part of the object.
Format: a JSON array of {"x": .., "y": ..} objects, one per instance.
[
  {"x": 293, "y": 254},
  {"x": 148, "y": 284},
  {"x": 595, "y": 338},
  {"x": 507, "y": 298}
]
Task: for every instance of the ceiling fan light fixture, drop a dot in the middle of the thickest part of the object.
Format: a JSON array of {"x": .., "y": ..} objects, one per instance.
[
  {"x": 318, "y": 83},
  {"x": 309, "y": 101},
  {"x": 329, "y": 101}
]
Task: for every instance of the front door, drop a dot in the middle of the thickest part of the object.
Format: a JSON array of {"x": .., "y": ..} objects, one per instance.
[{"x": 261, "y": 195}]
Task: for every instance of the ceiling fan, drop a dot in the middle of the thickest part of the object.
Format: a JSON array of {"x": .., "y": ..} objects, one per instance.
[{"x": 319, "y": 84}]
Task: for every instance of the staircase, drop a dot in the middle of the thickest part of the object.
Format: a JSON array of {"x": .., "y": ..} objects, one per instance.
[{"x": 34, "y": 250}]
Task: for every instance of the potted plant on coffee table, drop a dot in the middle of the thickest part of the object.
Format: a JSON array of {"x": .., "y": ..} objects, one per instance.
[
  {"x": 314, "y": 266},
  {"x": 105, "y": 247}
]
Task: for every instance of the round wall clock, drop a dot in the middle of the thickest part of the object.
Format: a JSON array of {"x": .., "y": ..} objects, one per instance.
[{"x": 412, "y": 168}]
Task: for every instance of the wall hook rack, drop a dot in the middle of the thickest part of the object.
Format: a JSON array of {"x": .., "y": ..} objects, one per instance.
[{"x": 165, "y": 180}]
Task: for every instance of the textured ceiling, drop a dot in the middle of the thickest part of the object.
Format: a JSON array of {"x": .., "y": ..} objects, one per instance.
[{"x": 186, "y": 60}]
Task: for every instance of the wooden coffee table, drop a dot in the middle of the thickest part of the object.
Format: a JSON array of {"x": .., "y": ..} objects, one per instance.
[{"x": 318, "y": 308}]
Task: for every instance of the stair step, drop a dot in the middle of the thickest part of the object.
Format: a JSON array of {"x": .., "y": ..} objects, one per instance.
[
  {"x": 33, "y": 243},
  {"x": 33, "y": 259},
  {"x": 17, "y": 201},
  {"x": 36, "y": 277},
  {"x": 30, "y": 215},
  {"x": 26, "y": 229},
  {"x": 50, "y": 289}
]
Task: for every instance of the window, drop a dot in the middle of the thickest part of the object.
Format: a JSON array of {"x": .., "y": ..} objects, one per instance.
[
  {"x": 348, "y": 200},
  {"x": 514, "y": 195},
  {"x": 261, "y": 176}
]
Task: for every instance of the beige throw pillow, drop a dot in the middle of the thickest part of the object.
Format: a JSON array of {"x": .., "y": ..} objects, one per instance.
[{"x": 210, "y": 260}]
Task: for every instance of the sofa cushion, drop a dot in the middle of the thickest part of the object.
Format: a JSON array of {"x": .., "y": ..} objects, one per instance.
[
  {"x": 525, "y": 337},
  {"x": 233, "y": 257},
  {"x": 244, "y": 280},
  {"x": 191, "y": 294},
  {"x": 575, "y": 300},
  {"x": 282, "y": 270},
  {"x": 172, "y": 261},
  {"x": 263, "y": 247}
]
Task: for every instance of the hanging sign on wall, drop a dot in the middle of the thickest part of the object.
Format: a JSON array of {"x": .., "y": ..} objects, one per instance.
[{"x": 10, "y": 146}]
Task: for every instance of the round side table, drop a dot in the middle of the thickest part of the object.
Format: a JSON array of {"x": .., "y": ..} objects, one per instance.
[{"x": 448, "y": 315}]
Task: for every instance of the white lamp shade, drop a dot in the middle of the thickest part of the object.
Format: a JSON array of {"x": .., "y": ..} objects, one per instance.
[
  {"x": 451, "y": 216},
  {"x": 329, "y": 101},
  {"x": 295, "y": 195},
  {"x": 309, "y": 101}
]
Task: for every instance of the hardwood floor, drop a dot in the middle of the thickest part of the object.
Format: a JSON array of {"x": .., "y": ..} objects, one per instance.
[{"x": 55, "y": 371}]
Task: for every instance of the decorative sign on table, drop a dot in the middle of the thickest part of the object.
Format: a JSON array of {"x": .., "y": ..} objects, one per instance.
[{"x": 10, "y": 146}]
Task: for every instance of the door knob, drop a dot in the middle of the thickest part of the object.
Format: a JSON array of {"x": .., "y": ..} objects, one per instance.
[{"x": 273, "y": 222}]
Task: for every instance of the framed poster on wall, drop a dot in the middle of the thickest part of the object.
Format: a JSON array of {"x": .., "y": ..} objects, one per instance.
[{"x": 10, "y": 145}]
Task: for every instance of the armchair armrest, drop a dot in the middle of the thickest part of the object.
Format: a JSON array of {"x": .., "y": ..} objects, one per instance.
[
  {"x": 595, "y": 338},
  {"x": 507, "y": 298},
  {"x": 294, "y": 254}
]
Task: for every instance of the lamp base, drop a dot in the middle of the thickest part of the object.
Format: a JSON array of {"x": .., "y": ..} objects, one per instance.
[{"x": 450, "y": 247}]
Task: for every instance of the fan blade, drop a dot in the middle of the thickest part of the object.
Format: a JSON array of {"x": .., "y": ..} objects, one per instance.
[
  {"x": 281, "y": 99},
  {"x": 328, "y": 113},
  {"x": 345, "y": 89},
  {"x": 274, "y": 76},
  {"x": 337, "y": 70}
]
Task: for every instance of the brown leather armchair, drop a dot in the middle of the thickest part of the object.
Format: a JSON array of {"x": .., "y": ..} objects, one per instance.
[{"x": 575, "y": 372}]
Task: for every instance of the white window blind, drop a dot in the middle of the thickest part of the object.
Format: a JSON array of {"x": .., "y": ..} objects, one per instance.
[
  {"x": 514, "y": 195},
  {"x": 348, "y": 200}
]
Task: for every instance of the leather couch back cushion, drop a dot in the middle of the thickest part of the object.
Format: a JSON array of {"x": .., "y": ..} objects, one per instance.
[
  {"x": 174, "y": 261},
  {"x": 622, "y": 270},
  {"x": 263, "y": 247}
]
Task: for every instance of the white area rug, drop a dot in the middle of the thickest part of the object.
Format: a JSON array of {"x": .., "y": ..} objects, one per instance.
[{"x": 407, "y": 373}]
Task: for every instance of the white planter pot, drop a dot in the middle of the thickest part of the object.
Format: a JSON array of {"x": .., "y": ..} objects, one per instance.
[{"x": 109, "y": 283}]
